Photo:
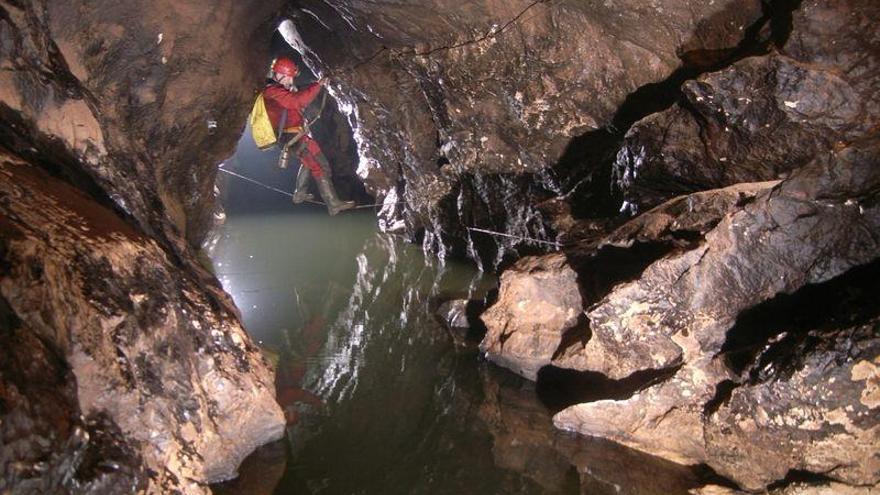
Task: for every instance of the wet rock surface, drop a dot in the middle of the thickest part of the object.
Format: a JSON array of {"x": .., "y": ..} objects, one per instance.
[
  {"x": 157, "y": 353},
  {"x": 538, "y": 303},
  {"x": 464, "y": 112},
  {"x": 755, "y": 121},
  {"x": 809, "y": 241},
  {"x": 140, "y": 102},
  {"x": 751, "y": 160},
  {"x": 130, "y": 370}
]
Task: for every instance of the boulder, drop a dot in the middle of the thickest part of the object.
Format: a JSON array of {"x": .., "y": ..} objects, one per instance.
[
  {"x": 538, "y": 302},
  {"x": 809, "y": 229}
]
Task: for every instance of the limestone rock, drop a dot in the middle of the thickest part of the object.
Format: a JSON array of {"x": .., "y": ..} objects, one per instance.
[
  {"x": 755, "y": 121},
  {"x": 465, "y": 111},
  {"x": 538, "y": 302},
  {"x": 48, "y": 446},
  {"x": 809, "y": 229},
  {"x": 141, "y": 101},
  {"x": 137, "y": 341},
  {"x": 807, "y": 417}
]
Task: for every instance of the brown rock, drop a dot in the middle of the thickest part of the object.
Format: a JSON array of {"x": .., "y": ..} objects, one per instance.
[
  {"x": 811, "y": 418},
  {"x": 755, "y": 121},
  {"x": 463, "y": 109},
  {"x": 538, "y": 302},
  {"x": 808, "y": 229},
  {"x": 160, "y": 356}
]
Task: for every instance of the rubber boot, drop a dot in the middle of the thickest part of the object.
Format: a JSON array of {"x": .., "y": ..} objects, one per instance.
[
  {"x": 301, "y": 192},
  {"x": 334, "y": 204}
]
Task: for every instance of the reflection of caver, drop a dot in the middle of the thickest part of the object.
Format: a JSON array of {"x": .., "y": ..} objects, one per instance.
[
  {"x": 285, "y": 105},
  {"x": 291, "y": 372},
  {"x": 289, "y": 380}
]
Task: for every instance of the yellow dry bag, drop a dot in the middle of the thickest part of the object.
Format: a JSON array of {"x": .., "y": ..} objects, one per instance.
[{"x": 261, "y": 126}]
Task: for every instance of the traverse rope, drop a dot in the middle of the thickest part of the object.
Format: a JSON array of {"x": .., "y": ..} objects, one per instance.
[
  {"x": 529, "y": 239},
  {"x": 473, "y": 229},
  {"x": 290, "y": 195}
]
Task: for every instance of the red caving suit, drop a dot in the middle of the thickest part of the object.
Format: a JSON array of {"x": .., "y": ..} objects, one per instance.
[{"x": 278, "y": 98}]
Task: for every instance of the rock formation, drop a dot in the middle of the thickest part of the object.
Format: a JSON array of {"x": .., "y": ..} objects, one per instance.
[
  {"x": 125, "y": 366},
  {"x": 744, "y": 135}
]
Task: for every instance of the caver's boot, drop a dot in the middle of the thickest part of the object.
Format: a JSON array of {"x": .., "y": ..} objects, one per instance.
[
  {"x": 334, "y": 204},
  {"x": 301, "y": 192}
]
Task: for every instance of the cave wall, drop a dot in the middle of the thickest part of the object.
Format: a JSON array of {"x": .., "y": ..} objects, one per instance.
[
  {"x": 465, "y": 111},
  {"x": 742, "y": 138},
  {"x": 108, "y": 153},
  {"x": 129, "y": 91}
]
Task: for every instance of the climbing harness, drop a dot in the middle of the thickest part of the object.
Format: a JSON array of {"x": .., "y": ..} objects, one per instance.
[
  {"x": 303, "y": 131},
  {"x": 529, "y": 239}
]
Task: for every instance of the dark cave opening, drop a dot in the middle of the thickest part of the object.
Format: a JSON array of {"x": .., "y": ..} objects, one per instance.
[
  {"x": 331, "y": 129},
  {"x": 560, "y": 388}
]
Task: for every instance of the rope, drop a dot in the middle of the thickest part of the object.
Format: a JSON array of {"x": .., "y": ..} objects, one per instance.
[
  {"x": 279, "y": 191},
  {"x": 290, "y": 195},
  {"x": 358, "y": 207},
  {"x": 490, "y": 232}
]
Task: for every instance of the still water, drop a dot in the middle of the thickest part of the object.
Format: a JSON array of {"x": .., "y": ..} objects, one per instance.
[{"x": 379, "y": 396}]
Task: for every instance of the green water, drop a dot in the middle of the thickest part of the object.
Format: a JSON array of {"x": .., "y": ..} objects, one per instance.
[{"x": 380, "y": 398}]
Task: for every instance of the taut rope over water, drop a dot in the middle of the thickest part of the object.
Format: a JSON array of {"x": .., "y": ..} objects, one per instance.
[{"x": 290, "y": 195}]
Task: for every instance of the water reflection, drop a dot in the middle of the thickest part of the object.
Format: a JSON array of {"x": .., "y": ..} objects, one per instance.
[{"x": 377, "y": 398}]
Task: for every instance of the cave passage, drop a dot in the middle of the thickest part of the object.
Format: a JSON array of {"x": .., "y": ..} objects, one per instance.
[{"x": 378, "y": 396}]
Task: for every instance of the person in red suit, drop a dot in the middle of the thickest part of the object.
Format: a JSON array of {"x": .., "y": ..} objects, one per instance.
[{"x": 285, "y": 105}]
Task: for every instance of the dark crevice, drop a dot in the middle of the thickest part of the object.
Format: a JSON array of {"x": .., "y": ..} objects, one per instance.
[
  {"x": 477, "y": 329},
  {"x": 591, "y": 155},
  {"x": 797, "y": 476},
  {"x": 578, "y": 335},
  {"x": 600, "y": 272},
  {"x": 723, "y": 391},
  {"x": 559, "y": 388},
  {"x": 709, "y": 476},
  {"x": 782, "y": 330},
  {"x": 781, "y": 14}
]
